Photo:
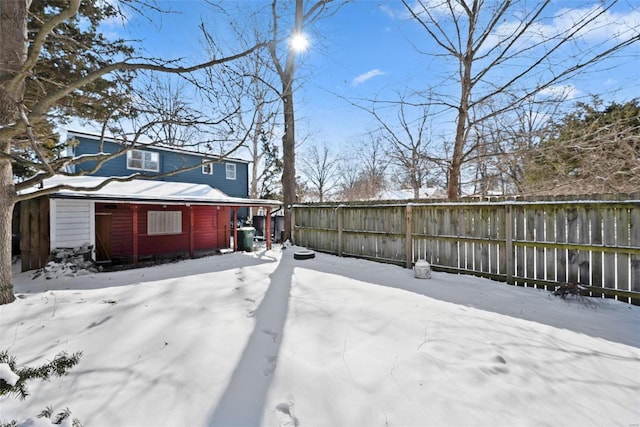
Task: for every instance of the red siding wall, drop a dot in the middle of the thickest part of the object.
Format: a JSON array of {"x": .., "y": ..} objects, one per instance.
[
  {"x": 205, "y": 227},
  {"x": 209, "y": 230},
  {"x": 162, "y": 244}
]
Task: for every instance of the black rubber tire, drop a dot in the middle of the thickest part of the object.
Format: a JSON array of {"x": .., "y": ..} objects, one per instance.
[{"x": 304, "y": 254}]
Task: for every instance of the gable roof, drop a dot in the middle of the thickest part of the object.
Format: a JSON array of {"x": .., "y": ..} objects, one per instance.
[{"x": 146, "y": 191}]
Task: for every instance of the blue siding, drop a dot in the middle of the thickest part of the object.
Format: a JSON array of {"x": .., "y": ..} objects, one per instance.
[{"x": 169, "y": 161}]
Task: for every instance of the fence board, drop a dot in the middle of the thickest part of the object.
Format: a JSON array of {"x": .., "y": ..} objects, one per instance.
[
  {"x": 561, "y": 237},
  {"x": 609, "y": 237},
  {"x": 519, "y": 224},
  {"x": 634, "y": 218},
  {"x": 540, "y": 237},
  {"x": 584, "y": 259},
  {"x": 529, "y": 233},
  {"x": 572, "y": 237},
  {"x": 595, "y": 220},
  {"x": 550, "y": 254},
  {"x": 622, "y": 239}
]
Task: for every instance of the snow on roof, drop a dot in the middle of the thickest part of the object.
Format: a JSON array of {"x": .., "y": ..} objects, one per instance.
[
  {"x": 404, "y": 194},
  {"x": 150, "y": 191}
]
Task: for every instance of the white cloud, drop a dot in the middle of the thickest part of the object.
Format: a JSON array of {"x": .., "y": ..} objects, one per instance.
[
  {"x": 606, "y": 26},
  {"x": 366, "y": 76},
  {"x": 392, "y": 12},
  {"x": 566, "y": 92},
  {"x": 603, "y": 26}
]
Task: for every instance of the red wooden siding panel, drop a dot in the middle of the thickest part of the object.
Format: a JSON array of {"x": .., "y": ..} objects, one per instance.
[
  {"x": 210, "y": 229},
  {"x": 205, "y": 226}
]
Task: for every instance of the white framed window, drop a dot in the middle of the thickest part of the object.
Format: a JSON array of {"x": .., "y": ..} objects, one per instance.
[
  {"x": 164, "y": 222},
  {"x": 207, "y": 169},
  {"x": 230, "y": 170},
  {"x": 143, "y": 160}
]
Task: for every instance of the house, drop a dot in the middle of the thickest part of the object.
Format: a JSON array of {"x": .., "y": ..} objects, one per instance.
[
  {"x": 231, "y": 175},
  {"x": 186, "y": 214},
  {"x": 130, "y": 220}
]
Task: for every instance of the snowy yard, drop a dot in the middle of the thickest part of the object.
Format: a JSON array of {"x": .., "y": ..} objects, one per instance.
[{"x": 264, "y": 339}]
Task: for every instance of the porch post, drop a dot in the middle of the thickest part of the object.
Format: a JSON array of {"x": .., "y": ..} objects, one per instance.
[
  {"x": 235, "y": 228},
  {"x": 191, "y": 238},
  {"x": 135, "y": 234},
  {"x": 267, "y": 227}
]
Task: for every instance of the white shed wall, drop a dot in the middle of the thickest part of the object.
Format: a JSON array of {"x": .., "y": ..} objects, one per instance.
[{"x": 72, "y": 223}]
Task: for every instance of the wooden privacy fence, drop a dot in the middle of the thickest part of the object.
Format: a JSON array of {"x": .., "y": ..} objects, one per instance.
[{"x": 526, "y": 242}]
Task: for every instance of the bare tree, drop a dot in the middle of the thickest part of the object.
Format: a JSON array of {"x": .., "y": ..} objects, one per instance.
[
  {"x": 505, "y": 141},
  {"x": 247, "y": 86},
  {"x": 21, "y": 54},
  {"x": 363, "y": 170},
  {"x": 494, "y": 54},
  {"x": 406, "y": 129},
  {"x": 320, "y": 170},
  {"x": 165, "y": 97},
  {"x": 283, "y": 54}
]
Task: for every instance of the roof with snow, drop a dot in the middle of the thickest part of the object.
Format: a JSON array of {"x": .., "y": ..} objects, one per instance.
[
  {"x": 144, "y": 191},
  {"x": 405, "y": 194}
]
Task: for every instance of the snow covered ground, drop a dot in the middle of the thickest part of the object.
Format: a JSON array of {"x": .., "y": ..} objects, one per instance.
[{"x": 262, "y": 339}]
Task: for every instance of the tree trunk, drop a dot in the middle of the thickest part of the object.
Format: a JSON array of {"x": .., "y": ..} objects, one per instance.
[
  {"x": 13, "y": 53},
  {"x": 288, "y": 159},
  {"x": 455, "y": 167},
  {"x": 289, "y": 139},
  {"x": 6, "y": 287},
  {"x": 454, "y": 180}
]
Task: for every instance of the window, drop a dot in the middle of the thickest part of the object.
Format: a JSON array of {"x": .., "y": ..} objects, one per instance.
[
  {"x": 207, "y": 169},
  {"x": 230, "y": 169},
  {"x": 143, "y": 160},
  {"x": 164, "y": 222}
]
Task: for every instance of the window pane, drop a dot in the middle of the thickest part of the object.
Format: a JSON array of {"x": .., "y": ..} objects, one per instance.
[
  {"x": 231, "y": 170},
  {"x": 164, "y": 222}
]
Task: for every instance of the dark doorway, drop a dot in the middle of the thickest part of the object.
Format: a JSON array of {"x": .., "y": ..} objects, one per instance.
[{"x": 103, "y": 237}]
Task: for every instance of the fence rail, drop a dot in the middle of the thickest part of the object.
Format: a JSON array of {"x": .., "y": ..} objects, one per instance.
[{"x": 526, "y": 242}]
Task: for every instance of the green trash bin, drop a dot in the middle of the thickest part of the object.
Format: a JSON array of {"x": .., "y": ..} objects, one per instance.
[{"x": 245, "y": 238}]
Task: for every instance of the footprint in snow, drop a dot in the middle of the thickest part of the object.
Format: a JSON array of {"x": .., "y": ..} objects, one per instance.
[
  {"x": 499, "y": 366},
  {"x": 284, "y": 411},
  {"x": 271, "y": 365},
  {"x": 272, "y": 334}
]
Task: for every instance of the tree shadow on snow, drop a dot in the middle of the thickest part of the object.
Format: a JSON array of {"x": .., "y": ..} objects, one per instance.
[
  {"x": 26, "y": 283},
  {"x": 243, "y": 401}
]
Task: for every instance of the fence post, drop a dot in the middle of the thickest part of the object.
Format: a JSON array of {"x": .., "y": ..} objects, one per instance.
[
  {"x": 409, "y": 235},
  {"x": 508, "y": 244},
  {"x": 293, "y": 225},
  {"x": 339, "y": 211}
]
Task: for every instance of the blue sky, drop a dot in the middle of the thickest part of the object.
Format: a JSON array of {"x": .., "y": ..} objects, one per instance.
[{"x": 368, "y": 49}]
